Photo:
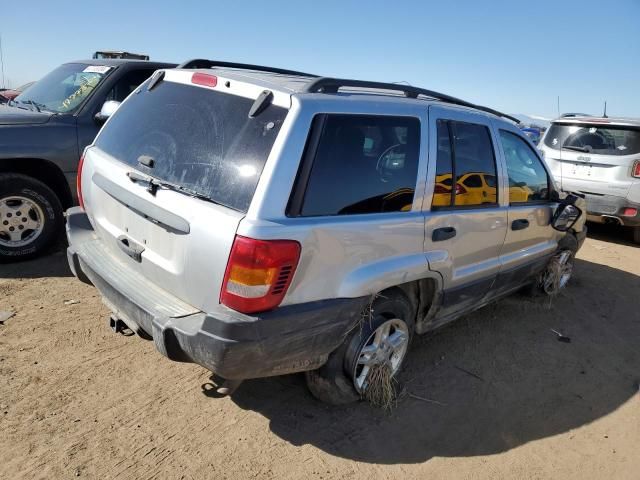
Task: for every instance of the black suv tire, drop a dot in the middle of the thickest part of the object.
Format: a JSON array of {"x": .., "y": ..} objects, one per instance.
[{"x": 39, "y": 201}]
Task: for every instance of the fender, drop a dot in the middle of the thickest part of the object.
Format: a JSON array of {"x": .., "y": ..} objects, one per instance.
[{"x": 374, "y": 277}]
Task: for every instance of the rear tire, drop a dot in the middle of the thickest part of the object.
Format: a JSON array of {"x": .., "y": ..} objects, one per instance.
[
  {"x": 636, "y": 235},
  {"x": 31, "y": 217},
  {"x": 335, "y": 381}
]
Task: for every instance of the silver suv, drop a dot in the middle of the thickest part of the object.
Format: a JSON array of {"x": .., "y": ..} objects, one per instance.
[
  {"x": 600, "y": 157},
  {"x": 259, "y": 221}
]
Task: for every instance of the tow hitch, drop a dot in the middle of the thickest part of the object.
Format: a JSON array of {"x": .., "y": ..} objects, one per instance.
[
  {"x": 220, "y": 387},
  {"x": 118, "y": 326}
]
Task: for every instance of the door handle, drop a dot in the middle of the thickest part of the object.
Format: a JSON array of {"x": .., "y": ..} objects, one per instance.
[
  {"x": 520, "y": 224},
  {"x": 445, "y": 233},
  {"x": 130, "y": 248}
]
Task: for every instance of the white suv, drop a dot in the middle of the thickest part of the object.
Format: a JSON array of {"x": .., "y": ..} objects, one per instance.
[{"x": 599, "y": 157}]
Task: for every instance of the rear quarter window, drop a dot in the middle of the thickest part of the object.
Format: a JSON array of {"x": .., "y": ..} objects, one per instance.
[
  {"x": 363, "y": 164},
  {"x": 200, "y": 139}
]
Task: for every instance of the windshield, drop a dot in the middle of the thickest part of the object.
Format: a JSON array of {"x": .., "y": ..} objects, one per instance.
[
  {"x": 594, "y": 139},
  {"x": 64, "y": 89},
  {"x": 201, "y": 140}
]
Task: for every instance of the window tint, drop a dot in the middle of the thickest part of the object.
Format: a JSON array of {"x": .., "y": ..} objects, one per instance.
[
  {"x": 467, "y": 156},
  {"x": 363, "y": 164},
  {"x": 200, "y": 139},
  {"x": 473, "y": 159},
  {"x": 444, "y": 167},
  {"x": 128, "y": 84},
  {"x": 594, "y": 139},
  {"x": 528, "y": 180},
  {"x": 473, "y": 181}
]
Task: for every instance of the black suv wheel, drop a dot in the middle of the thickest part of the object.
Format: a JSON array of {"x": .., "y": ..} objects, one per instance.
[{"x": 30, "y": 217}]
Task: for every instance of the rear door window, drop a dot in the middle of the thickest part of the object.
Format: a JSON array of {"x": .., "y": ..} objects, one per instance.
[
  {"x": 363, "y": 164},
  {"x": 200, "y": 139},
  {"x": 465, "y": 152}
]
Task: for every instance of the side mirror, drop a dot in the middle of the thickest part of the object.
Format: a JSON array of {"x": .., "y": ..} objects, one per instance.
[
  {"x": 565, "y": 217},
  {"x": 108, "y": 109}
]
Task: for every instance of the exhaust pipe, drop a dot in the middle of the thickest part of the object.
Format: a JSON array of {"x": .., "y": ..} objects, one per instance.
[{"x": 611, "y": 220}]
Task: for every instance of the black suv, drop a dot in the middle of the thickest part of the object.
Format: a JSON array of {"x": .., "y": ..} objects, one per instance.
[{"x": 43, "y": 133}]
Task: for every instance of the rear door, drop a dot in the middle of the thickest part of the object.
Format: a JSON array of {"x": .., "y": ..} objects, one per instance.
[
  {"x": 199, "y": 139},
  {"x": 530, "y": 238},
  {"x": 466, "y": 225}
]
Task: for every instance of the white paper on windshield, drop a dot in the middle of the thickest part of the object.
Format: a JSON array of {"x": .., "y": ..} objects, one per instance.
[{"x": 97, "y": 69}]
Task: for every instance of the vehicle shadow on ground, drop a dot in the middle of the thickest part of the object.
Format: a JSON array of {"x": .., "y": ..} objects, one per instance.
[
  {"x": 611, "y": 233},
  {"x": 52, "y": 265},
  {"x": 500, "y": 377}
]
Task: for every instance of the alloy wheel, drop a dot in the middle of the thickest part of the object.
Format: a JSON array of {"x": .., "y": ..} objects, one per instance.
[
  {"x": 387, "y": 345},
  {"x": 21, "y": 221},
  {"x": 558, "y": 272}
]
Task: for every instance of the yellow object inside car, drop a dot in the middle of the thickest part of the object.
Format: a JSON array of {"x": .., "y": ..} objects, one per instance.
[{"x": 474, "y": 188}]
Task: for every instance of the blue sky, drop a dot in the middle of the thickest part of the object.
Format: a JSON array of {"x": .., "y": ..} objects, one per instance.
[{"x": 515, "y": 56}]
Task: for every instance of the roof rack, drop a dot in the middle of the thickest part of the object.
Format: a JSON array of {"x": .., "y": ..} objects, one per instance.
[
  {"x": 567, "y": 115},
  {"x": 203, "y": 63},
  {"x": 332, "y": 85}
]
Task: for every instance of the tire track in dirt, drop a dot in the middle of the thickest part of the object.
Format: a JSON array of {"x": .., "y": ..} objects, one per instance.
[{"x": 107, "y": 406}]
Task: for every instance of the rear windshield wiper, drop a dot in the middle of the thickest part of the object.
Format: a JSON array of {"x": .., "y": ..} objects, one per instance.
[
  {"x": 154, "y": 184},
  {"x": 577, "y": 149}
]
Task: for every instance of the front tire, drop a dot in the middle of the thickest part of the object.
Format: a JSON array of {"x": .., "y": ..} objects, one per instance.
[
  {"x": 31, "y": 217},
  {"x": 382, "y": 338},
  {"x": 559, "y": 269}
]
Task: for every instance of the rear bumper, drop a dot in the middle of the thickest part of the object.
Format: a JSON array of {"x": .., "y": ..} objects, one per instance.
[
  {"x": 603, "y": 208},
  {"x": 235, "y": 346}
]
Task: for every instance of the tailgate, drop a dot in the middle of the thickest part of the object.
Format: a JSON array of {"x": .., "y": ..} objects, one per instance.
[
  {"x": 173, "y": 172},
  {"x": 187, "y": 262},
  {"x": 602, "y": 174}
]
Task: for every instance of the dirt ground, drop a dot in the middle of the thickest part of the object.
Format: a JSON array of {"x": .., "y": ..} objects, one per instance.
[{"x": 508, "y": 399}]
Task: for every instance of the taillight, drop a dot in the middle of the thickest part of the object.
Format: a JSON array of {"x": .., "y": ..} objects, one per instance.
[
  {"x": 204, "y": 79},
  {"x": 79, "y": 181},
  {"x": 629, "y": 212},
  {"x": 258, "y": 273},
  {"x": 460, "y": 189},
  {"x": 635, "y": 171}
]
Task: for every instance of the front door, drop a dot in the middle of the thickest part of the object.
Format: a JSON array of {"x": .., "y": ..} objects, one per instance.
[
  {"x": 530, "y": 238},
  {"x": 466, "y": 220}
]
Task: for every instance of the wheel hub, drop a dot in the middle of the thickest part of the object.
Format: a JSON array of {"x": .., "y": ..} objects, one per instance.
[
  {"x": 387, "y": 346},
  {"x": 558, "y": 272},
  {"x": 21, "y": 221}
]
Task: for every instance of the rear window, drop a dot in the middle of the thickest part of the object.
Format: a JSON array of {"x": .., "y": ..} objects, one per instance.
[
  {"x": 594, "y": 139},
  {"x": 200, "y": 139}
]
